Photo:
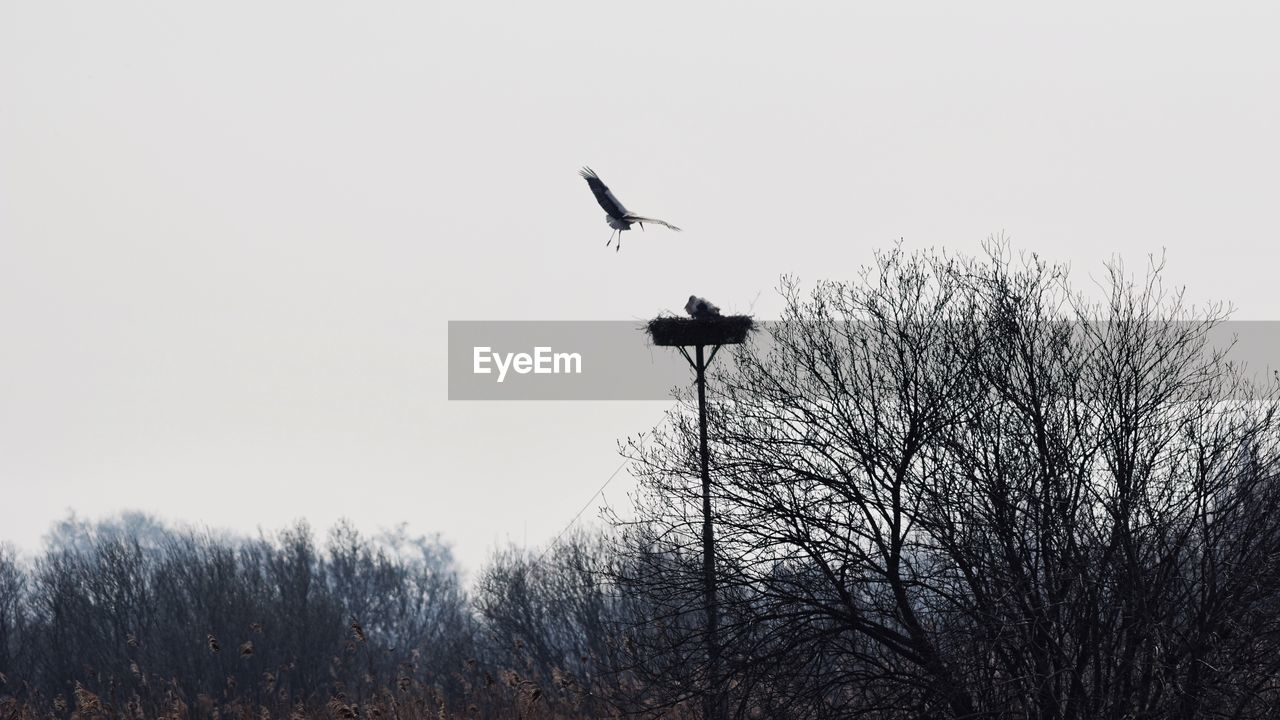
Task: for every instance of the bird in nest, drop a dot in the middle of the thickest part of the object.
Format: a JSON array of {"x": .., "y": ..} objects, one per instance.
[{"x": 701, "y": 308}]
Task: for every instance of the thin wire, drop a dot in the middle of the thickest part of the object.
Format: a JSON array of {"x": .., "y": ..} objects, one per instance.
[{"x": 553, "y": 543}]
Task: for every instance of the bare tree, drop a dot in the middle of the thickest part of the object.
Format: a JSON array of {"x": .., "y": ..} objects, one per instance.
[
  {"x": 138, "y": 615},
  {"x": 12, "y": 595},
  {"x": 556, "y": 620},
  {"x": 956, "y": 489}
]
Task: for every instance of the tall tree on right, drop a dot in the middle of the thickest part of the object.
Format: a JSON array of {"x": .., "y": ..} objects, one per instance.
[{"x": 956, "y": 488}]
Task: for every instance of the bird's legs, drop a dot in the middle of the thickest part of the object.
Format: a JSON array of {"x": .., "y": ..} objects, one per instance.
[{"x": 611, "y": 234}]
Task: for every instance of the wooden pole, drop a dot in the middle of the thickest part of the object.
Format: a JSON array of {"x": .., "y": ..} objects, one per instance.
[
  {"x": 711, "y": 706},
  {"x": 701, "y": 333}
]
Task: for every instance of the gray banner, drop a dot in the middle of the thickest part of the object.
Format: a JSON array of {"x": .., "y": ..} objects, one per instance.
[
  {"x": 615, "y": 360},
  {"x": 560, "y": 360}
]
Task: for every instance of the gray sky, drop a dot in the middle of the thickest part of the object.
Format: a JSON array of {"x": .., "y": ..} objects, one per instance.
[{"x": 231, "y": 235}]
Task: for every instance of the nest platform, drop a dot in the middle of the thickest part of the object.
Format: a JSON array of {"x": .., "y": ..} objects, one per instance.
[{"x": 684, "y": 332}]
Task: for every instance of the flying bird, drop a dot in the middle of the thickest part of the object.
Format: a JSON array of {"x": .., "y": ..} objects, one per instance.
[{"x": 616, "y": 215}]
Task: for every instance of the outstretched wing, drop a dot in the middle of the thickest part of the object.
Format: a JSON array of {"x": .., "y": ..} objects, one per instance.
[
  {"x": 636, "y": 218},
  {"x": 606, "y": 199}
]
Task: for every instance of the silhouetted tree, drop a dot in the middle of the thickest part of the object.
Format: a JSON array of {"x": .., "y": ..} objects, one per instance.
[
  {"x": 957, "y": 489},
  {"x": 132, "y": 612},
  {"x": 557, "y": 620},
  {"x": 12, "y": 596}
]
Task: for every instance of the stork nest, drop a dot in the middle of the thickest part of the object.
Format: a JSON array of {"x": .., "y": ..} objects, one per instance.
[{"x": 717, "y": 330}]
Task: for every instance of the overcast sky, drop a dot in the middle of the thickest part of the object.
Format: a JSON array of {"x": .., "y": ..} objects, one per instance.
[{"x": 231, "y": 235}]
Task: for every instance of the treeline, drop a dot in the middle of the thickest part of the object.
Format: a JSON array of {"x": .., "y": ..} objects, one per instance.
[
  {"x": 954, "y": 488},
  {"x": 127, "y": 617}
]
